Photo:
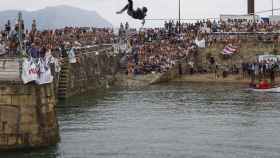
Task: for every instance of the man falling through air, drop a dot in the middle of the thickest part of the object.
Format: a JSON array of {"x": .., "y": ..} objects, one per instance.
[{"x": 139, "y": 13}]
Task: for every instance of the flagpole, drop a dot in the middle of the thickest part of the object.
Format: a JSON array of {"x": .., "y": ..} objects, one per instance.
[
  {"x": 20, "y": 31},
  {"x": 272, "y": 8},
  {"x": 180, "y": 16}
]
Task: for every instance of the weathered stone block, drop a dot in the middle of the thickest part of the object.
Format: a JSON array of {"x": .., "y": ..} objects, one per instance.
[
  {"x": 44, "y": 109},
  {"x": 28, "y": 118},
  {"x": 5, "y": 99},
  {"x": 12, "y": 140},
  {"x": 43, "y": 100},
  {"x": 21, "y": 89},
  {"x": 6, "y": 90},
  {"x": 28, "y": 115},
  {"x": 23, "y": 100},
  {"x": 49, "y": 91},
  {"x": 51, "y": 108},
  {"x": 31, "y": 129},
  {"x": 51, "y": 100}
]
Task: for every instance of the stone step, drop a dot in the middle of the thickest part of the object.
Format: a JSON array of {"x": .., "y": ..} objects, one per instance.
[
  {"x": 64, "y": 71},
  {"x": 64, "y": 75},
  {"x": 9, "y": 71},
  {"x": 13, "y": 73},
  {"x": 65, "y": 66},
  {"x": 63, "y": 87},
  {"x": 63, "y": 80},
  {"x": 9, "y": 63},
  {"x": 63, "y": 83},
  {"x": 62, "y": 92}
]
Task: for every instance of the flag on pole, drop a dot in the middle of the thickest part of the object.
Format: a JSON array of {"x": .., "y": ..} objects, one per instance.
[{"x": 229, "y": 50}]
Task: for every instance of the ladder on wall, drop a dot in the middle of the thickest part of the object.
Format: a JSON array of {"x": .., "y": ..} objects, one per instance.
[{"x": 64, "y": 80}]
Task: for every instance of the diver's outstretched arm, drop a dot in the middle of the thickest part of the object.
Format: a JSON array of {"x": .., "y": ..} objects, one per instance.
[
  {"x": 129, "y": 6},
  {"x": 124, "y": 9}
]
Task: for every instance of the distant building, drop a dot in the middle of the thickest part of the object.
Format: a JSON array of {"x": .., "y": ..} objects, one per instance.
[
  {"x": 274, "y": 19},
  {"x": 251, "y": 7},
  {"x": 242, "y": 18}
]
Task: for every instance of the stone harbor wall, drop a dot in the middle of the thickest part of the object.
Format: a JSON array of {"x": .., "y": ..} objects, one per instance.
[
  {"x": 176, "y": 71},
  {"x": 27, "y": 116},
  {"x": 27, "y": 112},
  {"x": 132, "y": 81},
  {"x": 247, "y": 53},
  {"x": 93, "y": 70},
  {"x": 180, "y": 67}
]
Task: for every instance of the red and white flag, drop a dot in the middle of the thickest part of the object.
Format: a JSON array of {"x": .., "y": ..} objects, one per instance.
[{"x": 229, "y": 49}]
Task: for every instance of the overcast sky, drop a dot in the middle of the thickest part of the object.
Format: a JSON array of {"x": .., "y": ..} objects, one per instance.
[{"x": 157, "y": 8}]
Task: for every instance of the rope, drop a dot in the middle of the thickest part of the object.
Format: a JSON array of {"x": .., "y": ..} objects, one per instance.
[
  {"x": 265, "y": 11},
  {"x": 175, "y": 19},
  {"x": 211, "y": 18}
]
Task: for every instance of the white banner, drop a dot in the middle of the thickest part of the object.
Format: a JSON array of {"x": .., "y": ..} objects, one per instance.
[
  {"x": 38, "y": 71},
  {"x": 29, "y": 71},
  {"x": 44, "y": 76}
]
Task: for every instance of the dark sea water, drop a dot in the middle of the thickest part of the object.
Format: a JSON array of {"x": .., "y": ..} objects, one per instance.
[{"x": 167, "y": 121}]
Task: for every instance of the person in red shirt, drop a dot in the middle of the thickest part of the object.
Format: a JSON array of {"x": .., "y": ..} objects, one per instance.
[{"x": 264, "y": 85}]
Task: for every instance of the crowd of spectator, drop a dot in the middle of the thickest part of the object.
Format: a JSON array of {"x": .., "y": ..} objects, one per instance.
[
  {"x": 261, "y": 69},
  {"x": 157, "y": 49},
  {"x": 150, "y": 49},
  {"x": 154, "y": 50},
  {"x": 37, "y": 42},
  {"x": 229, "y": 26}
]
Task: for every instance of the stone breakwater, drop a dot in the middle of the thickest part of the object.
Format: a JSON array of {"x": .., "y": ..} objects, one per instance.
[
  {"x": 203, "y": 70},
  {"x": 27, "y": 116},
  {"x": 95, "y": 69},
  {"x": 27, "y": 112}
]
